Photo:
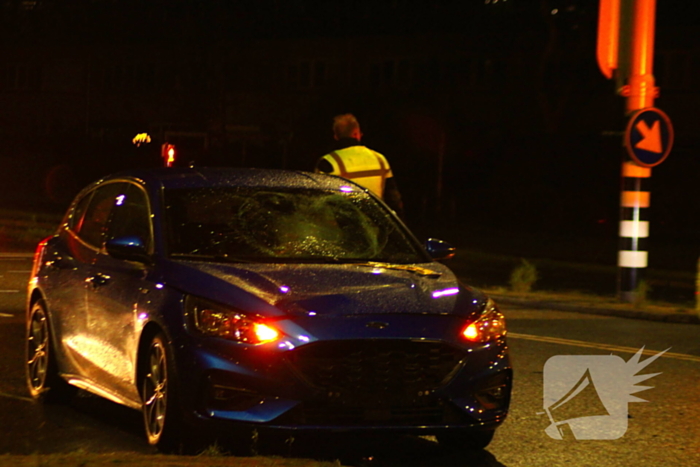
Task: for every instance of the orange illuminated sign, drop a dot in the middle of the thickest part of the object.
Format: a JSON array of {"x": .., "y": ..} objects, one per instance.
[{"x": 608, "y": 36}]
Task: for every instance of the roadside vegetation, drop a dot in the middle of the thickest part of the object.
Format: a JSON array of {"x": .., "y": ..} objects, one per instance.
[{"x": 523, "y": 277}]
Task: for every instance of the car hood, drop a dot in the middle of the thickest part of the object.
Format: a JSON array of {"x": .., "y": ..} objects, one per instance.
[{"x": 331, "y": 289}]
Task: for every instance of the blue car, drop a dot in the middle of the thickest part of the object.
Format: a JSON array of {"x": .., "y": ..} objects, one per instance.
[{"x": 260, "y": 299}]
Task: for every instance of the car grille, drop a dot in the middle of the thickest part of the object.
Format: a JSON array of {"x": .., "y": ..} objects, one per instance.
[
  {"x": 379, "y": 373},
  {"x": 375, "y": 383}
]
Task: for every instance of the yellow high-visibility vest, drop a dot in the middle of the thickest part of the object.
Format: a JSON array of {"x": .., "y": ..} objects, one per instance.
[{"x": 361, "y": 165}]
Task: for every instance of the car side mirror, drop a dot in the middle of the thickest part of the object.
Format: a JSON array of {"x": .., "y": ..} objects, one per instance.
[
  {"x": 130, "y": 248},
  {"x": 439, "y": 250}
]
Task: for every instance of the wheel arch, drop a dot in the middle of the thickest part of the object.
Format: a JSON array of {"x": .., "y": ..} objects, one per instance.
[{"x": 34, "y": 297}]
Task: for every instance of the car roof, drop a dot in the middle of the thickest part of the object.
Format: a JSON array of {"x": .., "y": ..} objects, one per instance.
[{"x": 185, "y": 177}]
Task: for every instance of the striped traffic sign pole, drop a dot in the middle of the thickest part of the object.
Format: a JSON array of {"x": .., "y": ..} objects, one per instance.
[
  {"x": 634, "y": 228},
  {"x": 626, "y": 29},
  {"x": 648, "y": 140},
  {"x": 640, "y": 92}
]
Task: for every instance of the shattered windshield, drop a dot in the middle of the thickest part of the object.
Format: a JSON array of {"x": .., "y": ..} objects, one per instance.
[{"x": 268, "y": 224}]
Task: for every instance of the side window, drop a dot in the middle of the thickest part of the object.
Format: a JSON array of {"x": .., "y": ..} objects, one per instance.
[
  {"x": 131, "y": 216},
  {"x": 93, "y": 226}
]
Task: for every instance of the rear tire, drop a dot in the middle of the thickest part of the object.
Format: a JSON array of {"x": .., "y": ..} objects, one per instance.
[
  {"x": 466, "y": 440},
  {"x": 43, "y": 379}
]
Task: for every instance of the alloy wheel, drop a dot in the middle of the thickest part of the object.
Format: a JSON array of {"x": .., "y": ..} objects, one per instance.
[
  {"x": 37, "y": 351},
  {"x": 155, "y": 391}
]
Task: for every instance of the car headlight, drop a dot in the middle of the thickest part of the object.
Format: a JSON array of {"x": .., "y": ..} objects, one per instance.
[
  {"x": 489, "y": 326},
  {"x": 213, "y": 319}
]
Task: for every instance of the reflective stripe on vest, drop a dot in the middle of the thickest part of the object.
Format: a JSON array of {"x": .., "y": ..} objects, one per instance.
[{"x": 380, "y": 174}]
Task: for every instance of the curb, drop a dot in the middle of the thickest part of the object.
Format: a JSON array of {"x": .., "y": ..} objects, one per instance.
[{"x": 670, "y": 317}]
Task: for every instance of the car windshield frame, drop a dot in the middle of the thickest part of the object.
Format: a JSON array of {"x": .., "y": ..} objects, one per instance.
[{"x": 284, "y": 225}]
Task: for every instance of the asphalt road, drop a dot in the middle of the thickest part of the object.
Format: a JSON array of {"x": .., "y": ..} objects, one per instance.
[{"x": 663, "y": 431}]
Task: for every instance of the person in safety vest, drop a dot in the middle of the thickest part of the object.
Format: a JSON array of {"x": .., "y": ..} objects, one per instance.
[{"x": 359, "y": 163}]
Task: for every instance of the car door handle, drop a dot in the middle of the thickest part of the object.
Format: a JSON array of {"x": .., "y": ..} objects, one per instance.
[{"x": 98, "y": 280}]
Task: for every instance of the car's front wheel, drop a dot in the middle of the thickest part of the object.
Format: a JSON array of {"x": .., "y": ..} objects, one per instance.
[
  {"x": 161, "y": 411},
  {"x": 43, "y": 380},
  {"x": 466, "y": 441}
]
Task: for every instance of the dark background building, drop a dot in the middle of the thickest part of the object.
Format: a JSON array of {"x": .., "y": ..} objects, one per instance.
[{"x": 490, "y": 111}]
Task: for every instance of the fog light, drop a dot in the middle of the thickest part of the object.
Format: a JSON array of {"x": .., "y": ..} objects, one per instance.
[
  {"x": 230, "y": 398},
  {"x": 495, "y": 392}
]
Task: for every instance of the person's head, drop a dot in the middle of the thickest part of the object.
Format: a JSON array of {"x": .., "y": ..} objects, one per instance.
[{"x": 346, "y": 126}]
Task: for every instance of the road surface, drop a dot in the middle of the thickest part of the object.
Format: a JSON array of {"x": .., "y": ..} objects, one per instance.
[{"x": 663, "y": 431}]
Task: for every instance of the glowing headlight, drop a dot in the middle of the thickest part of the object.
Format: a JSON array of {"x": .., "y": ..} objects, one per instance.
[
  {"x": 216, "y": 320},
  {"x": 489, "y": 326}
]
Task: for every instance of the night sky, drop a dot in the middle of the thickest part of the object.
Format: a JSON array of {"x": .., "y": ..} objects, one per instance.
[{"x": 540, "y": 152}]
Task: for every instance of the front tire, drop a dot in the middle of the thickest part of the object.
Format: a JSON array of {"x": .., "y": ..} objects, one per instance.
[
  {"x": 162, "y": 416},
  {"x": 43, "y": 379}
]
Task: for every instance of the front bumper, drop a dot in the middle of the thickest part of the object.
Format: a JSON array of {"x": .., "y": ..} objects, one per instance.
[{"x": 380, "y": 385}]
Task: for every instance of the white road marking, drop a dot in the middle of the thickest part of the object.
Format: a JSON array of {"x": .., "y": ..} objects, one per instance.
[
  {"x": 9, "y": 291},
  {"x": 592, "y": 345},
  {"x": 5, "y": 315},
  {"x": 12, "y": 396}
]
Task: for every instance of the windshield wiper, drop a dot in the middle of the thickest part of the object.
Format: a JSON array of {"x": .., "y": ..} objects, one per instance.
[
  {"x": 402, "y": 267},
  {"x": 212, "y": 258},
  {"x": 382, "y": 265}
]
